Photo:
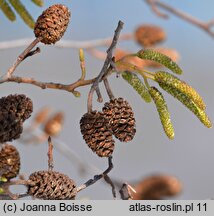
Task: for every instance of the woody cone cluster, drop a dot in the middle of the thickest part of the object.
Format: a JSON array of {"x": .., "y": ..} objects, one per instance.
[
  {"x": 121, "y": 119},
  {"x": 51, "y": 185},
  {"x": 52, "y": 24},
  {"x": 14, "y": 110},
  {"x": 9, "y": 161},
  {"x": 97, "y": 133},
  {"x": 98, "y": 128}
]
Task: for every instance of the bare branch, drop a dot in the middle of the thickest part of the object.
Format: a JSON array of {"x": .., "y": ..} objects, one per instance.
[
  {"x": 8, "y": 195},
  {"x": 22, "y": 56},
  {"x": 48, "y": 85},
  {"x": 126, "y": 192},
  {"x": 206, "y": 26},
  {"x": 97, "y": 177},
  {"x": 110, "y": 182},
  {"x": 65, "y": 43},
  {"x": 106, "y": 64},
  {"x": 50, "y": 154}
]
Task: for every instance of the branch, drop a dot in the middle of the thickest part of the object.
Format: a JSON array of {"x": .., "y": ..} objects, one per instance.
[
  {"x": 65, "y": 43},
  {"x": 106, "y": 64},
  {"x": 48, "y": 85},
  {"x": 50, "y": 154},
  {"x": 8, "y": 195},
  {"x": 156, "y": 4},
  {"x": 110, "y": 182},
  {"x": 126, "y": 192},
  {"x": 97, "y": 177}
]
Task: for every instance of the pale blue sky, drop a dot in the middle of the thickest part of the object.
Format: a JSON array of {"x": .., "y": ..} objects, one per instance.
[{"x": 189, "y": 156}]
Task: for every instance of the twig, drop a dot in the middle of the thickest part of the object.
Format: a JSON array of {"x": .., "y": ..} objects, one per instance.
[
  {"x": 99, "y": 95},
  {"x": 110, "y": 182},
  {"x": 156, "y": 11},
  {"x": 206, "y": 26},
  {"x": 108, "y": 88},
  {"x": 97, "y": 177},
  {"x": 63, "y": 148},
  {"x": 82, "y": 64},
  {"x": 33, "y": 52},
  {"x": 66, "y": 43},
  {"x": 126, "y": 192},
  {"x": 8, "y": 195},
  {"x": 105, "y": 67},
  {"x": 22, "y": 56},
  {"x": 50, "y": 154},
  {"x": 48, "y": 85}
]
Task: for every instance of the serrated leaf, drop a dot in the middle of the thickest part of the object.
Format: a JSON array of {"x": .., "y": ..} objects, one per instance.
[
  {"x": 189, "y": 91},
  {"x": 162, "y": 111},
  {"x": 184, "y": 99},
  {"x": 153, "y": 55},
  {"x": 23, "y": 13},
  {"x": 39, "y": 3},
  {"x": 7, "y": 10},
  {"x": 137, "y": 84}
]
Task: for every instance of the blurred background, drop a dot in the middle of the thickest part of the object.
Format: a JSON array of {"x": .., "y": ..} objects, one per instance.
[{"x": 189, "y": 156}]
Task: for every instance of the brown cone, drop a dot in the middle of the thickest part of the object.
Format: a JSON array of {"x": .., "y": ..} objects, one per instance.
[
  {"x": 121, "y": 119},
  {"x": 97, "y": 133},
  {"x": 17, "y": 104},
  {"x": 157, "y": 187},
  {"x": 10, "y": 128},
  {"x": 54, "y": 124},
  {"x": 9, "y": 161},
  {"x": 52, "y": 24},
  {"x": 148, "y": 35},
  {"x": 50, "y": 185}
]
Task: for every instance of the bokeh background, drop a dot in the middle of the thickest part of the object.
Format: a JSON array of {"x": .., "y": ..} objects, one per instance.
[{"x": 189, "y": 156}]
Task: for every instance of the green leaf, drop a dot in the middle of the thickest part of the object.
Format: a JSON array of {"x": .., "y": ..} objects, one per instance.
[
  {"x": 184, "y": 99},
  {"x": 21, "y": 10},
  {"x": 6, "y": 9},
  {"x": 39, "y": 3},
  {"x": 153, "y": 55},
  {"x": 137, "y": 84},
  {"x": 162, "y": 111}
]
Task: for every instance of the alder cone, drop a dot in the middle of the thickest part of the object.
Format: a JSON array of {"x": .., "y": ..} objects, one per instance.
[
  {"x": 18, "y": 104},
  {"x": 157, "y": 187},
  {"x": 52, "y": 24},
  {"x": 54, "y": 124},
  {"x": 120, "y": 118},
  {"x": 148, "y": 35},
  {"x": 97, "y": 133},
  {"x": 9, "y": 161},
  {"x": 10, "y": 128},
  {"x": 51, "y": 185}
]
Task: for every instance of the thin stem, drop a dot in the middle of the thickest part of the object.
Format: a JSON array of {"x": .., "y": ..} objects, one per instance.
[
  {"x": 99, "y": 95},
  {"x": 97, "y": 177},
  {"x": 126, "y": 192},
  {"x": 206, "y": 26},
  {"x": 22, "y": 56},
  {"x": 110, "y": 182},
  {"x": 50, "y": 154},
  {"x": 105, "y": 65},
  {"x": 82, "y": 64},
  {"x": 130, "y": 67},
  {"x": 108, "y": 89},
  {"x": 48, "y": 85},
  {"x": 149, "y": 72},
  {"x": 66, "y": 43}
]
